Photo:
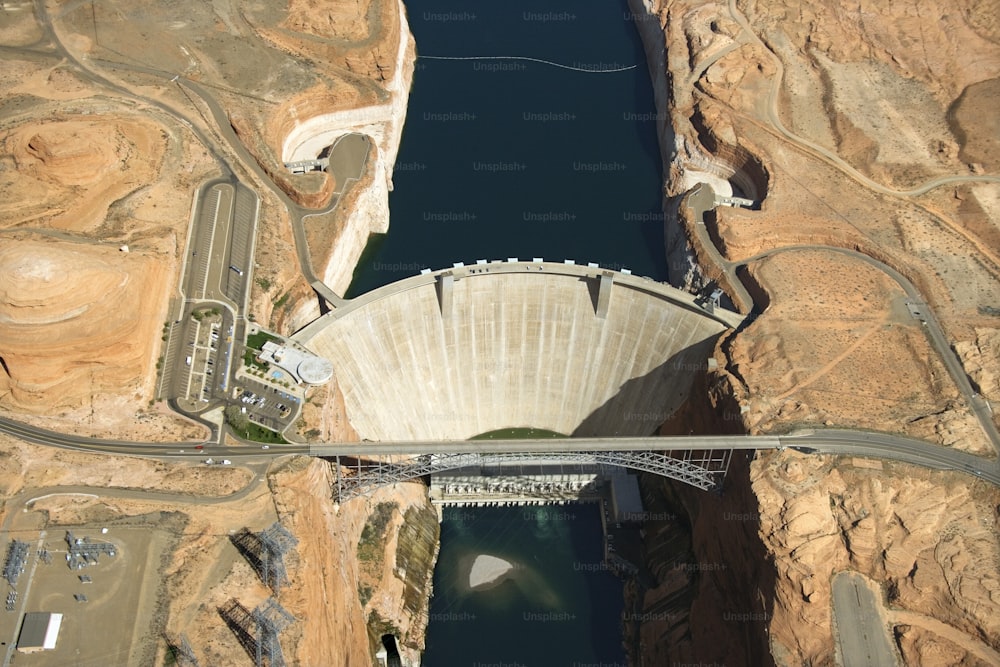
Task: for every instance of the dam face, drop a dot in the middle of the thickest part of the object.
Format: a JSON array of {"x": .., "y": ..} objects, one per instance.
[{"x": 456, "y": 353}]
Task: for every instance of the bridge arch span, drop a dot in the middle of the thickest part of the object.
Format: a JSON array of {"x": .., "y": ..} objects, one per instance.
[
  {"x": 704, "y": 472},
  {"x": 574, "y": 349}
]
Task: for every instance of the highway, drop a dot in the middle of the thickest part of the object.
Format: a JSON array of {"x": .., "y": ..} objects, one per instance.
[
  {"x": 223, "y": 127},
  {"x": 821, "y": 441},
  {"x": 221, "y": 290},
  {"x": 935, "y": 334},
  {"x": 699, "y": 200},
  {"x": 296, "y": 212}
]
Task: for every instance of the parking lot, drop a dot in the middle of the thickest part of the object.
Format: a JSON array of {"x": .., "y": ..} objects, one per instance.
[
  {"x": 206, "y": 348},
  {"x": 215, "y": 211},
  {"x": 241, "y": 245},
  {"x": 269, "y": 406}
]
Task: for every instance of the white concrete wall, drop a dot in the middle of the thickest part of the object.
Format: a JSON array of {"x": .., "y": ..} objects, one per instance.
[{"x": 520, "y": 349}]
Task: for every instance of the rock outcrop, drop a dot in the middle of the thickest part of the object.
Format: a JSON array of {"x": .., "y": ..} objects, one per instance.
[
  {"x": 929, "y": 538},
  {"x": 59, "y": 338},
  {"x": 776, "y": 100},
  {"x": 372, "y": 574}
]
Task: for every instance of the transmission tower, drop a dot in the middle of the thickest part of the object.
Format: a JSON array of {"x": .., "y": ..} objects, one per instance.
[
  {"x": 277, "y": 542},
  {"x": 182, "y": 651},
  {"x": 271, "y": 620},
  {"x": 258, "y": 631},
  {"x": 265, "y": 551}
]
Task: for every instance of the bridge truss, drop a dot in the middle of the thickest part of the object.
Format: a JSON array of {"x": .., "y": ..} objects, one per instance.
[{"x": 704, "y": 469}]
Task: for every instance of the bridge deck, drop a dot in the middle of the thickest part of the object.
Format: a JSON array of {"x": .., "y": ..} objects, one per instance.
[{"x": 546, "y": 445}]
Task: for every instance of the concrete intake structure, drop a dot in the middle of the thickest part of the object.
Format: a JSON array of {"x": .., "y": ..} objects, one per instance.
[{"x": 579, "y": 350}]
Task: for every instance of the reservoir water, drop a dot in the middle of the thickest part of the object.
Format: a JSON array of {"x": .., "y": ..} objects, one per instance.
[
  {"x": 518, "y": 158},
  {"x": 559, "y": 605}
]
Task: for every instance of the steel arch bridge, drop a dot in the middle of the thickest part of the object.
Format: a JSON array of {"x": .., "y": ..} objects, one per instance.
[{"x": 703, "y": 469}]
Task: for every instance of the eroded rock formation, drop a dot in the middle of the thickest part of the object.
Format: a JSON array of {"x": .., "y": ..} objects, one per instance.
[{"x": 870, "y": 126}]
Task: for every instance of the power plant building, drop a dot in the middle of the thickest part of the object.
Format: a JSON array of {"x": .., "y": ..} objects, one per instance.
[
  {"x": 39, "y": 632},
  {"x": 626, "y": 501}
]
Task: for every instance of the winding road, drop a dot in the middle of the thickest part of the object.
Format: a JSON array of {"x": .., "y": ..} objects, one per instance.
[
  {"x": 701, "y": 199},
  {"x": 824, "y": 153}
]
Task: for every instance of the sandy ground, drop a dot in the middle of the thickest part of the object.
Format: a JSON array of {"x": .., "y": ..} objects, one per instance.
[
  {"x": 846, "y": 353},
  {"x": 97, "y": 188},
  {"x": 95, "y": 193},
  {"x": 836, "y": 115},
  {"x": 187, "y": 564},
  {"x": 196, "y": 569},
  {"x": 487, "y": 570}
]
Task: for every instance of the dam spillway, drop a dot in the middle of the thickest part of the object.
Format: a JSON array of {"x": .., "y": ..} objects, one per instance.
[{"x": 458, "y": 352}]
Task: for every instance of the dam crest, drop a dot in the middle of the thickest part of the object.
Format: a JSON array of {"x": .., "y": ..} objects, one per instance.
[{"x": 576, "y": 349}]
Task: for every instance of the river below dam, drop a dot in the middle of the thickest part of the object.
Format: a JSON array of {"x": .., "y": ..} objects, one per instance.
[
  {"x": 513, "y": 157},
  {"x": 558, "y": 605}
]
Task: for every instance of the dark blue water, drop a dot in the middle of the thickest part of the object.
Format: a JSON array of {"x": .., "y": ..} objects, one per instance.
[
  {"x": 509, "y": 158},
  {"x": 559, "y": 607}
]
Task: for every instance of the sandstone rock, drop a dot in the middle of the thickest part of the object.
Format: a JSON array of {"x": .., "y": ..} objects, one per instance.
[{"x": 63, "y": 345}]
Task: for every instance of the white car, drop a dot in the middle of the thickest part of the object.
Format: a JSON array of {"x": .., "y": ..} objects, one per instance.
[{"x": 265, "y": 446}]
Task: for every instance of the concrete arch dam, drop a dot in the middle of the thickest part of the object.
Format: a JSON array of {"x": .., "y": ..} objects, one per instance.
[{"x": 574, "y": 349}]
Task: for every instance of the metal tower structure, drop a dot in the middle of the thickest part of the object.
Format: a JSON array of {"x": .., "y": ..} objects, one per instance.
[
  {"x": 242, "y": 623},
  {"x": 276, "y": 542},
  {"x": 265, "y": 551},
  {"x": 704, "y": 469},
  {"x": 258, "y": 631},
  {"x": 271, "y": 620},
  {"x": 182, "y": 651}
]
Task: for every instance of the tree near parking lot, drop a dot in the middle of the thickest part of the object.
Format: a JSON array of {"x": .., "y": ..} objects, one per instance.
[{"x": 237, "y": 420}]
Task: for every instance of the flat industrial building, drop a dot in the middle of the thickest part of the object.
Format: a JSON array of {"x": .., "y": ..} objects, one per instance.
[
  {"x": 39, "y": 631},
  {"x": 626, "y": 501}
]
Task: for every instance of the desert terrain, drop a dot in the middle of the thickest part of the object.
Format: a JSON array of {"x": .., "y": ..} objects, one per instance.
[
  {"x": 866, "y": 134},
  {"x": 111, "y": 117},
  {"x": 863, "y": 132}
]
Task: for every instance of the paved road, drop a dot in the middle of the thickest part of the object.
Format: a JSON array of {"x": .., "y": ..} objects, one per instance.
[
  {"x": 862, "y": 637},
  {"x": 217, "y": 271},
  {"x": 51, "y": 38},
  {"x": 22, "y": 499},
  {"x": 839, "y": 442},
  {"x": 852, "y": 444},
  {"x": 295, "y": 211},
  {"x": 977, "y": 404},
  {"x": 224, "y": 127},
  {"x": 701, "y": 199}
]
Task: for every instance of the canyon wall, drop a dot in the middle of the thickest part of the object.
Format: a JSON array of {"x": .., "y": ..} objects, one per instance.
[
  {"x": 368, "y": 574},
  {"x": 776, "y": 99},
  {"x": 384, "y": 124}
]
